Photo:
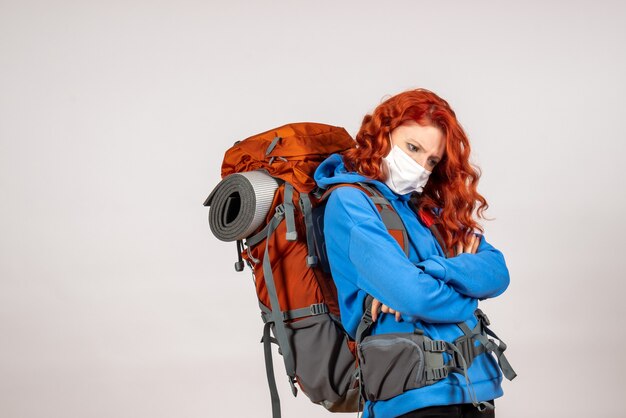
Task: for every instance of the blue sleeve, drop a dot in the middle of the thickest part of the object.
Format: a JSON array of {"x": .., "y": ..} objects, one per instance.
[
  {"x": 481, "y": 275},
  {"x": 361, "y": 250}
]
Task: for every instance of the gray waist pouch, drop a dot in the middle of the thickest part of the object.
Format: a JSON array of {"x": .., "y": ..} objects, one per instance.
[{"x": 391, "y": 364}]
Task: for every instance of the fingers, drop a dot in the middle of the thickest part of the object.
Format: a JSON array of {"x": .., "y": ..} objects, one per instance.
[
  {"x": 468, "y": 247},
  {"x": 470, "y": 243},
  {"x": 471, "y": 246},
  {"x": 476, "y": 243},
  {"x": 384, "y": 309},
  {"x": 375, "y": 306}
]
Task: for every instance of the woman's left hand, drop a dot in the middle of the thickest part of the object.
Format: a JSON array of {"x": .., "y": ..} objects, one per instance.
[
  {"x": 471, "y": 247},
  {"x": 384, "y": 308}
]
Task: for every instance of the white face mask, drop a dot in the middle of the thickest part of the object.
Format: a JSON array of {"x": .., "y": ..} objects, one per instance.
[{"x": 405, "y": 174}]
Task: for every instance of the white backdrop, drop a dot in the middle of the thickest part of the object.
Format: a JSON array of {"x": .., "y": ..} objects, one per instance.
[{"x": 115, "y": 299}]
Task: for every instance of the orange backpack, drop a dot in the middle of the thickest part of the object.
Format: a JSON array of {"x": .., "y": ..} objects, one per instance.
[{"x": 286, "y": 253}]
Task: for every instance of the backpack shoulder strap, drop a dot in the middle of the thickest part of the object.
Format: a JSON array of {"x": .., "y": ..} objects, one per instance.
[{"x": 390, "y": 217}]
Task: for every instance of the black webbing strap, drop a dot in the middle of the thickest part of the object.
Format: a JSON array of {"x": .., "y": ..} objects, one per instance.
[
  {"x": 311, "y": 310},
  {"x": 498, "y": 349},
  {"x": 465, "y": 343},
  {"x": 269, "y": 369},
  {"x": 480, "y": 333},
  {"x": 366, "y": 320},
  {"x": 361, "y": 332}
]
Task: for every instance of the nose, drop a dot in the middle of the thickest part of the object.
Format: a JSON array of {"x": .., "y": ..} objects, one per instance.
[{"x": 423, "y": 161}]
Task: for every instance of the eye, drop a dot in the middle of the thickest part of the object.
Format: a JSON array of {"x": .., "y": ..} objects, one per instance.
[{"x": 411, "y": 147}]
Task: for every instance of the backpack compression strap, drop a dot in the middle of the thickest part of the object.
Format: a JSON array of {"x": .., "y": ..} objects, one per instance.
[{"x": 276, "y": 313}]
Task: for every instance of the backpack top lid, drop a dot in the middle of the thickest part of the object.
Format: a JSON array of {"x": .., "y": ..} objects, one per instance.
[{"x": 290, "y": 152}]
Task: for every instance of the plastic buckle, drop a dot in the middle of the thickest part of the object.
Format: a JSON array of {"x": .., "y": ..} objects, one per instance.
[
  {"x": 440, "y": 373},
  {"x": 482, "y": 406},
  {"x": 254, "y": 260},
  {"x": 318, "y": 309},
  {"x": 294, "y": 390},
  {"x": 436, "y": 346},
  {"x": 367, "y": 316},
  {"x": 482, "y": 317},
  {"x": 280, "y": 211},
  {"x": 317, "y": 192}
]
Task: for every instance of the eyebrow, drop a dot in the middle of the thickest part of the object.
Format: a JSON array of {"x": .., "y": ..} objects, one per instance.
[{"x": 415, "y": 140}]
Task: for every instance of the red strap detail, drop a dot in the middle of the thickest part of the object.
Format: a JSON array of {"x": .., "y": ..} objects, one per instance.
[{"x": 426, "y": 217}]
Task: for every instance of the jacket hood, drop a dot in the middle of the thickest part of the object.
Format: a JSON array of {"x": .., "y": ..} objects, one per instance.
[{"x": 332, "y": 170}]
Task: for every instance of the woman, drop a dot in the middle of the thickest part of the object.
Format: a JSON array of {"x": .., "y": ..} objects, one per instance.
[{"x": 413, "y": 146}]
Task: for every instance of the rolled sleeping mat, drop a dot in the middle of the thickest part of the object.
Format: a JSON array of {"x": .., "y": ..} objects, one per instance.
[{"x": 240, "y": 203}]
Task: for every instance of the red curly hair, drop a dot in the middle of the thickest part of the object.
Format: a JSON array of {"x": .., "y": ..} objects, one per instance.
[{"x": 451, "y": 188}]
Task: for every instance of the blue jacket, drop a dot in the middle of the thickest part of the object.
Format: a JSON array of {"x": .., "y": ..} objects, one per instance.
[{"x": 431, "y": 291}]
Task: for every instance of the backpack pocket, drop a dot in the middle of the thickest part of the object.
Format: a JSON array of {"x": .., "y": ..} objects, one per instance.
[
  {"x": 325, "y": 365},
  {"x": 391, "y": 364}
]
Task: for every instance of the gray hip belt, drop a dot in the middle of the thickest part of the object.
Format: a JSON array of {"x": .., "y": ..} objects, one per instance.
[{"x": 390, "y": 364}]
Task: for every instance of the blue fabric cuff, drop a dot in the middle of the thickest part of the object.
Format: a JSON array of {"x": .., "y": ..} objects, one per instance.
[{"x": 433, "y": 268}]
